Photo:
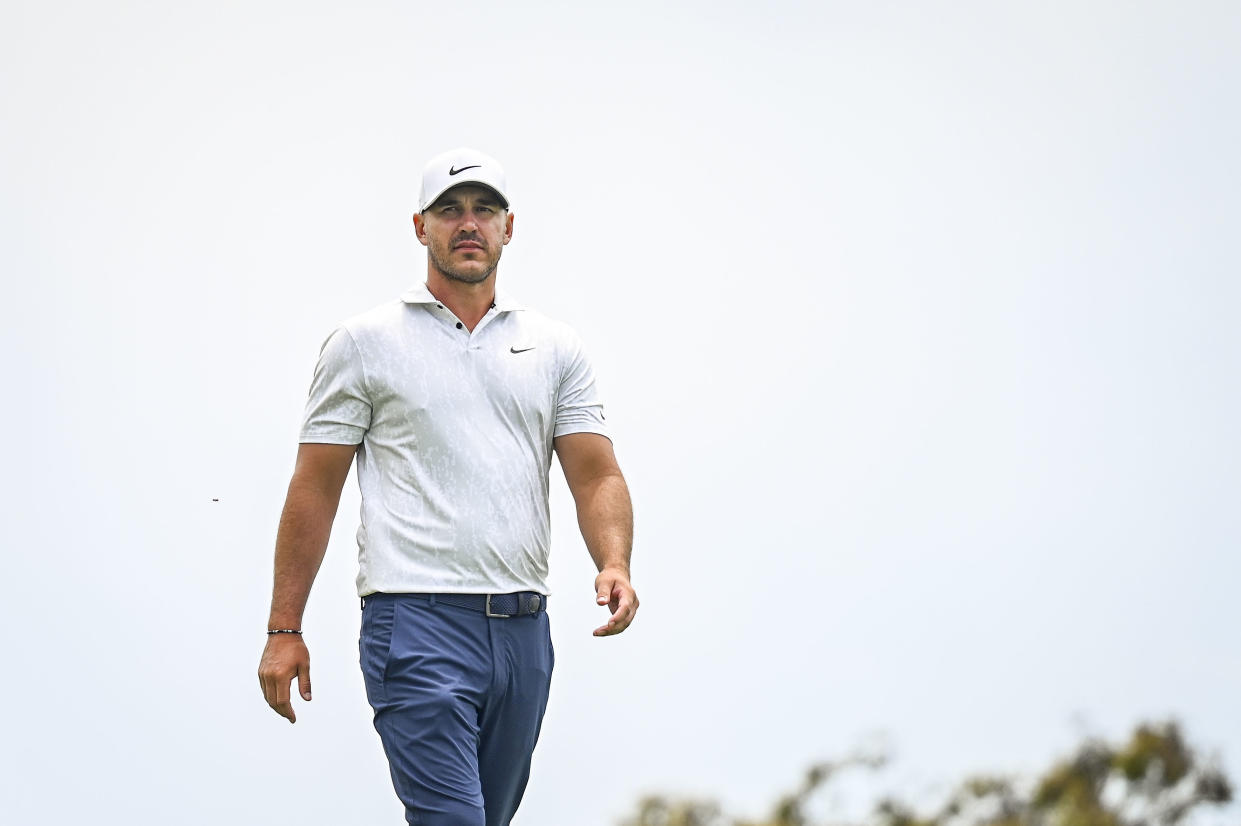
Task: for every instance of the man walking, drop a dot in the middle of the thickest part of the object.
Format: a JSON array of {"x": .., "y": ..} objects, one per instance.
[{"x": 452, "y": 399}]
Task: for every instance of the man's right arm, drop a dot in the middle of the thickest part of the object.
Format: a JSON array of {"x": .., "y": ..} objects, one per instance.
[{"x": 301, "y": 541}]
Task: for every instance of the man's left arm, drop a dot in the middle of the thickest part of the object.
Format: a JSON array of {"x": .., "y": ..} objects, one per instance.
[{"x": 605, "y": 516}]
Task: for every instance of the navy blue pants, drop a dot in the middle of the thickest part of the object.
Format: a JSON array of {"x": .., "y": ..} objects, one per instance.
[{"x": 458, "y": 700}]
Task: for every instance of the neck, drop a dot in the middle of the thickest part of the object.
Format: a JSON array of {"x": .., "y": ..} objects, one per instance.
[{"x": 468, "y": 302}]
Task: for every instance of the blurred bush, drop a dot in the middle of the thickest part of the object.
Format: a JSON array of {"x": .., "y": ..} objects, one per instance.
[{"x": 1153, "y": 779}]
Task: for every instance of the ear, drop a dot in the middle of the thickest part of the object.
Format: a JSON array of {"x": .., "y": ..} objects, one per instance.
[
  {"x": 420, "y": 228},
  {"x": 508, "y": 228}
]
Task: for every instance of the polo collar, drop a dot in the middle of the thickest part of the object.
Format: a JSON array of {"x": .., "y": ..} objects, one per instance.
[{"x": 419, "y": 294}]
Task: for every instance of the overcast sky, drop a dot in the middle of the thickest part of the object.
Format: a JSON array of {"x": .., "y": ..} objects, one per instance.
[{"x": 917, "y": 324}]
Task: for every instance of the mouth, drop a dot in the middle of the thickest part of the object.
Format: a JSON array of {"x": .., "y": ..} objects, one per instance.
[{"x": 468, "y": 246}]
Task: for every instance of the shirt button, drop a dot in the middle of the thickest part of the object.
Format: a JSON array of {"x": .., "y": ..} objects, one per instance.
[{"x": 459, "y": 325}]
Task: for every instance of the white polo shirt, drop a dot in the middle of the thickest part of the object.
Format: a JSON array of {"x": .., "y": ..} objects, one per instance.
[{"x": 455, "y": 432}]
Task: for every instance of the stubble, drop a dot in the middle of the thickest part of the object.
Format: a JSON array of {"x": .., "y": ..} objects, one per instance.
[{"x": 464, "y": 276}]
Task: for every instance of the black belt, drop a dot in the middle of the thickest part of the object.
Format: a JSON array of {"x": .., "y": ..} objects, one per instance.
[{"x": 520, "y": 604}]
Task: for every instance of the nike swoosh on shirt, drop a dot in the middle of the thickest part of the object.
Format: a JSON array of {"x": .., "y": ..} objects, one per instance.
[
  {"x": 452, "y": 170},
  {"x": 522, "y": 350}
]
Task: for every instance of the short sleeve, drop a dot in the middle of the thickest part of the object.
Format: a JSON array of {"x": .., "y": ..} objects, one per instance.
[
  {"x": 338, "y": 410},
  {"x": 578, "y": 406}
]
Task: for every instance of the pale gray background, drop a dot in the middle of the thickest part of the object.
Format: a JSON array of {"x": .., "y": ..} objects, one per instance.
[{"x": 917, "y": 323}]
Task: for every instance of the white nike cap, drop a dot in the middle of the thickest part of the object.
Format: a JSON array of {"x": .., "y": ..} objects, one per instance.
[{"x": 460, "y": 166}]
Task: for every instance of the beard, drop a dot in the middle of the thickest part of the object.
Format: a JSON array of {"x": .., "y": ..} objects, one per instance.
[{"x": 472, "y": 274}]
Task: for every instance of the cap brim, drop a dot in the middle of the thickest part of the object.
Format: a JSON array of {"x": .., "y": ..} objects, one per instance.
[{"x": 431, "y": 201}]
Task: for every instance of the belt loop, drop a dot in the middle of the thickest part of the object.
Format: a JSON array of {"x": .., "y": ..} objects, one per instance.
[{"x": 431, "y": 600}]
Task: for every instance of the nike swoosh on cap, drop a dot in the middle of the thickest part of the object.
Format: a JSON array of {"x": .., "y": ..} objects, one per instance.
[{"x": 452, "y": 170}]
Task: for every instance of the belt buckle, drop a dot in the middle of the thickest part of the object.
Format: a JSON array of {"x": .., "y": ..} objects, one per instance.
[{"x": 487, "y": 610}]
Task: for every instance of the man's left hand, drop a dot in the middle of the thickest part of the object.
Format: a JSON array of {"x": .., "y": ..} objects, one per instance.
[{"x": 612, "y": 589}]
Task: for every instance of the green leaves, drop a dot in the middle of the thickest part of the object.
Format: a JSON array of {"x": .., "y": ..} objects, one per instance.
[
  {"x": 1153, "y": 779},
  {"x": 1155, "y": 754}
]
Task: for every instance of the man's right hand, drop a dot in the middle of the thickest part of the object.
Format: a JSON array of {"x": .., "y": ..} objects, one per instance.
[
  {"x": 285, "y": 658},
  {"x": 305, "y": 524}
]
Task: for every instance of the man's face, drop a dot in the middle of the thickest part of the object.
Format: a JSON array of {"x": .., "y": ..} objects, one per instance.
[{"x": 464, "y": 232}]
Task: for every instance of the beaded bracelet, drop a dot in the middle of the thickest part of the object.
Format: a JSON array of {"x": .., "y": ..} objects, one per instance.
[{"x": 284, "y": 631}]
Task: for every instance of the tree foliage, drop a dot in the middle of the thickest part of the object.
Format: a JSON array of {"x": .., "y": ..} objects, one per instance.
[{"x": 1152, "y": 779}]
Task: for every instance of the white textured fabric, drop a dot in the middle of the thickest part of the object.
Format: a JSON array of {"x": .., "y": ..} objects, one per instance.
[{"x": 455, "y": 432}]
